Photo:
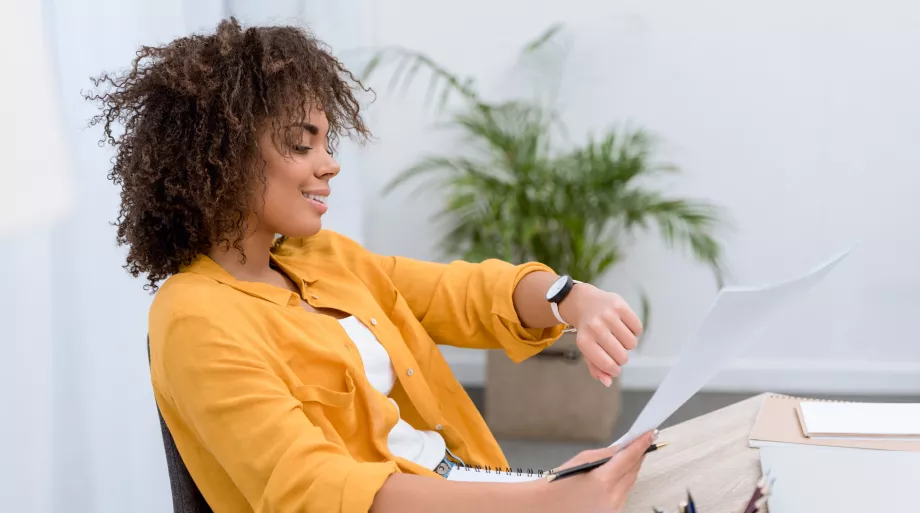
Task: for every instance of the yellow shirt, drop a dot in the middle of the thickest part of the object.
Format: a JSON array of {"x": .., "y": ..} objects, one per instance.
[{"x": 269, "y": 404}]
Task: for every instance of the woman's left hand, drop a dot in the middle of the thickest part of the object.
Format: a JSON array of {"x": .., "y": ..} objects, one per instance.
[{"x": 607, "y": 329}]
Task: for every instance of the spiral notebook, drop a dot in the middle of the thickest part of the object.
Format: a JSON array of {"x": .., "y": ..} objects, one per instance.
[{"x": 474, "y": 474}]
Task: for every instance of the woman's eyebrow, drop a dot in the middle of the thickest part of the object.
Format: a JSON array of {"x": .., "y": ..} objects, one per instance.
[{"x": 309, "y": 127}]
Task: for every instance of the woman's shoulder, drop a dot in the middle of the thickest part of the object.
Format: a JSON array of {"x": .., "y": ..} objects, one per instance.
[
  {"x": 191, "y": 294},
  {"x": 190, "y": 315}
]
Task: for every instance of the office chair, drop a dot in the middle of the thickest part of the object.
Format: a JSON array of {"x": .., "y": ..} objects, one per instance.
[{"x": 186, "y": 496}]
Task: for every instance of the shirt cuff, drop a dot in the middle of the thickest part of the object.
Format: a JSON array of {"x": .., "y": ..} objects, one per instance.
[{"x": 519, "y": 342}]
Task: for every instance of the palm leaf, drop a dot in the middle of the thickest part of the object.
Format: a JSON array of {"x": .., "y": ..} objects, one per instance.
[
  {"x": 543, "y": 38},
  {"x": 450, "y": 82},
  {"x": 680, "y": 222},
  {"x": 645, "y": 313}
]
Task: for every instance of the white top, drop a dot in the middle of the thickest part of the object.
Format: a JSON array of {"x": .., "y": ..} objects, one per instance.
[{"x": 425, "y": 448}]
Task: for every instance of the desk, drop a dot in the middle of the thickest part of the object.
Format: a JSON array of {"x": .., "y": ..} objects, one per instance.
[{"x": 708, "y": 455}]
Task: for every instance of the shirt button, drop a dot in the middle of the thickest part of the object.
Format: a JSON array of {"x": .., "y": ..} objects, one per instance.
[
  {"x": 314, "y": 296},
  {"x": 373, "y": 322},
  {"x": 410, "y": 372},
  {"x": 439, "y": 427}
]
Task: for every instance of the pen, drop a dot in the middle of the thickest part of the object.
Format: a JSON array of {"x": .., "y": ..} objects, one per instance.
[{"x": 586, "y": 467}]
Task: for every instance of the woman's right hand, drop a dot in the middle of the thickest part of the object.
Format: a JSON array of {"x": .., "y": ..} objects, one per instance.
[{"x": 604, "y": 489}]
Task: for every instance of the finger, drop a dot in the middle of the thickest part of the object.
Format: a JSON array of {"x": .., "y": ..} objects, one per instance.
[
  {"x": 629, "y": 477},
  {"x": 622, "y": 333},
  {"x": 625, "y": 468},
  {"x": 598, "y": 454},
  {"x": 589, "y": 456},
  {"x": 598, "y": 374},
  {"x": 612, "y": 346},
  {"x": 633, "y": 469},
  {"x": 621, "y": 489},
  {"x": 593, "y": 352},
  {"x": 630, "y": 318},
  {"x": 626, "y": 458}
]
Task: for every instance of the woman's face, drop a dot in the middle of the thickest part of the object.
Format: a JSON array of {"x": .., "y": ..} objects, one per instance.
[{"x": 297, "y": 184}]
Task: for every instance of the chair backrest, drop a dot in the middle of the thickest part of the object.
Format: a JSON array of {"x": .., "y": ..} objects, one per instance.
[{"x": 186, "y": 496}]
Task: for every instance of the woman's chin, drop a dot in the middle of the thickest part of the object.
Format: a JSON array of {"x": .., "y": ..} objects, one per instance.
[{"x": 302, "y": 230}]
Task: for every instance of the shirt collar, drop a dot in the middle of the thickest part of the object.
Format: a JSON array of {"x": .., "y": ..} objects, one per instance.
[{"x": 205, "y": 266}]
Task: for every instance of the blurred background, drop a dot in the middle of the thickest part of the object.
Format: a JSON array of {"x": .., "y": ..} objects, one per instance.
[{"x": 702, "y": 141}]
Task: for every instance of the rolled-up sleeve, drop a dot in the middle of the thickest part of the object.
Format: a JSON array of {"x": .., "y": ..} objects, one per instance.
[
  {"x": 246, "y": 417},
  {"x": 470, "y": 305}
]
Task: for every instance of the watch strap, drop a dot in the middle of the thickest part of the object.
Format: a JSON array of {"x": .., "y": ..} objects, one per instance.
[{"x": 555, "y": 308}]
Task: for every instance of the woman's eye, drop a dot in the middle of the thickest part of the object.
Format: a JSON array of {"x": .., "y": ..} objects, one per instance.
[
  {"x": 330, "y": 152},
  {"x": 302, "y": 149}
]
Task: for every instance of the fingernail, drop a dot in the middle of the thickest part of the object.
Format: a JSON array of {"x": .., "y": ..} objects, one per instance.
[
  {"x": 606, "y": 381},
  {"x": 654, "y": 435}
]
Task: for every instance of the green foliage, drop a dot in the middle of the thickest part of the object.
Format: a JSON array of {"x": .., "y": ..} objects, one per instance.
[{"x": 516, "y": 194}]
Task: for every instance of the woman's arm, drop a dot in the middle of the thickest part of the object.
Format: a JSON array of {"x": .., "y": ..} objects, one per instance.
[
  {"x": 494, "y": 304},
  {"x": 530, "y": 300},
  {"x": 470, "y": 305},
  {"x": 603, "y": 490},
  {"x": 405, "y": 493}
]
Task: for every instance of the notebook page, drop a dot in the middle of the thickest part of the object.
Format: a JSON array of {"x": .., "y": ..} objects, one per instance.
[{"x": 860, "y": 420}]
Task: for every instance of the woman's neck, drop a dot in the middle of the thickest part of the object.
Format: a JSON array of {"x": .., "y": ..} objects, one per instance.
[{"x": 256, "y": 267}]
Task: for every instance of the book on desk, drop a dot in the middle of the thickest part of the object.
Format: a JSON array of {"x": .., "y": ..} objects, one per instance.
[{"x": 828, "y": 457}]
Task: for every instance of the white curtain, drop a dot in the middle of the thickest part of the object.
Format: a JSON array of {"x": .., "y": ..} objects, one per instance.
[{"x": 78, "y": 427}]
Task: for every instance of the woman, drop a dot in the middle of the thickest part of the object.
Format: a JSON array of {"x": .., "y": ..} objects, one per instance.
[{"x": 301, "y": 373}]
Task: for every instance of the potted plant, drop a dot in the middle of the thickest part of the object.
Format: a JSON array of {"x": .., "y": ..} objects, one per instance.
[{"x": 520, "y": 191}]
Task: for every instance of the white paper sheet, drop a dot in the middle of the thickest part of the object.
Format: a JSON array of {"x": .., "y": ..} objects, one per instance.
[
  {"x": 861, "y": 420},
  {"x": 735, "y": 318}
]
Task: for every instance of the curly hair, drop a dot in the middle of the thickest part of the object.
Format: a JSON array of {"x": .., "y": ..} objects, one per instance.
[{"x": 184, "y": 121}]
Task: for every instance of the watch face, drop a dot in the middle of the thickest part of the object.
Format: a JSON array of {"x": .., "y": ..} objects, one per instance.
[{"x": 555, "y": 288}]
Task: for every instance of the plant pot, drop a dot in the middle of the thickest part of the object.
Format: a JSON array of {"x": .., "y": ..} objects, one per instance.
[{"x": 550, "y": 396}]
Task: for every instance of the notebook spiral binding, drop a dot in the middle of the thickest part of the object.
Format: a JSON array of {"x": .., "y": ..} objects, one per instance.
[
  {"x": 808, "y": 399},
  {"x": 530, "y": 472}
]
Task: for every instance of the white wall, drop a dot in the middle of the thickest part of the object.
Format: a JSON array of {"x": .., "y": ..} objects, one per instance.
[
  {"x": 108, "y": 454},
  {"x": 800, "y": 118}
]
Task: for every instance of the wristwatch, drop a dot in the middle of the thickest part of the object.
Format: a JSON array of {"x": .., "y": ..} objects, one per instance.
[{"x": 557, "y": 292}]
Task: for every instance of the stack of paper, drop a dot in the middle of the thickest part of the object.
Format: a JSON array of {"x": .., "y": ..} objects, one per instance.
[
  {"x": 823, "y": 479},
  {"x": 838, "y": 474}
]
